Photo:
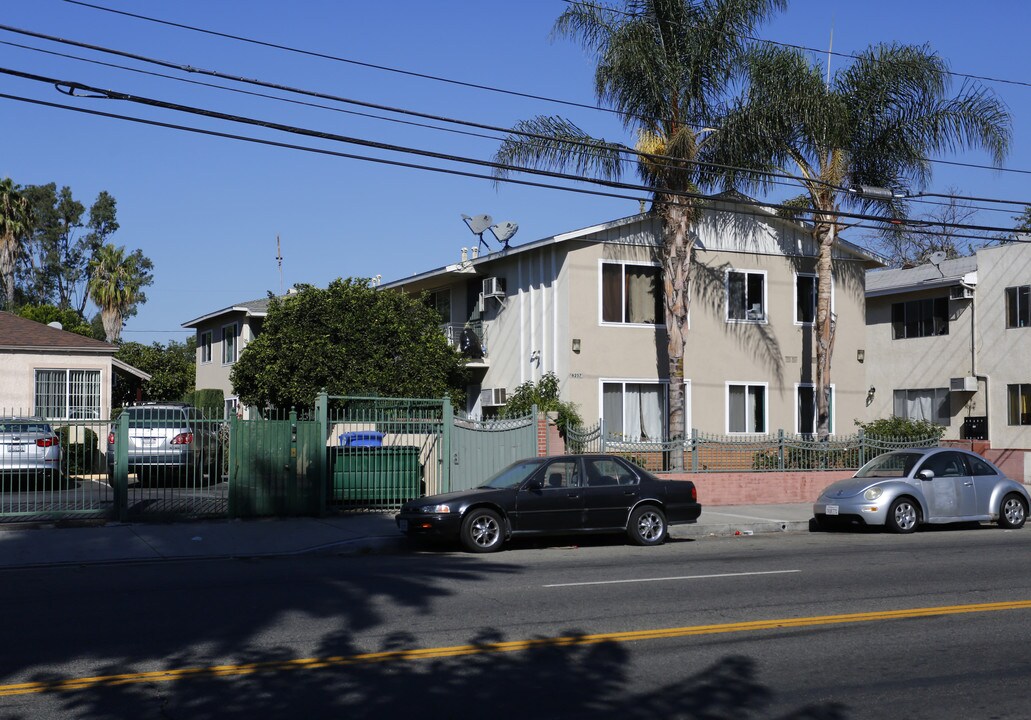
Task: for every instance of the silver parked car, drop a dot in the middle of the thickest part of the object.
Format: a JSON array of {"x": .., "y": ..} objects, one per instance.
[
  {"x": 169, "y": 441},
  {"x": 29, "y": 447},
  {"x": 906, "y": 488}
]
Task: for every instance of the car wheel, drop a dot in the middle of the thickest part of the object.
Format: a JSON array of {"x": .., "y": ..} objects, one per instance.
[
  {"x": 1013, "y": 512},
  {"x": 482, "y": 531},
  {"x": 647, "y": 526},
  {"x": 903, "y": 516}
]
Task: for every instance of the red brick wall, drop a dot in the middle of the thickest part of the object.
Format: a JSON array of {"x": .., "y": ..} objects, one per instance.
[
  {"x": 549, "y": 442},
  {"x": 768, "y": 488}
]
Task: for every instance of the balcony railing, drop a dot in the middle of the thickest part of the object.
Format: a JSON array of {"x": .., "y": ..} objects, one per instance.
[{"x": 468, "y": 338}]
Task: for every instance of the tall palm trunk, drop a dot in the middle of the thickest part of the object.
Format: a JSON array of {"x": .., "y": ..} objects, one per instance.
[
  {"x": 677, "y": 218},
  {"x": 825, "y": 234},
  {"x": 8, "y": 256}
]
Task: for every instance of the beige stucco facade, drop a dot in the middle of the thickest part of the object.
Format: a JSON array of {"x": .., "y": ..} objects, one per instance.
[
  {"x": 976, "y": 362},
  {"x": 550, "y": 319},
  {"x": 18, "y": 369}
]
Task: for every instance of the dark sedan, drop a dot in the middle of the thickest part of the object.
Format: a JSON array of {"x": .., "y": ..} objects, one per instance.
[{"x": 555, "y": 496}]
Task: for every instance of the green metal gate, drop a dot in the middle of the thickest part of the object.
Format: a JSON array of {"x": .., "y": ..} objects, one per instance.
[
  {"x": 479, "y": 448},
  {"x": 276, "y": 467}
]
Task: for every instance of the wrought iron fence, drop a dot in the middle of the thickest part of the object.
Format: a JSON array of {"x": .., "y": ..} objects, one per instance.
[{"x": 748, "y": 453}]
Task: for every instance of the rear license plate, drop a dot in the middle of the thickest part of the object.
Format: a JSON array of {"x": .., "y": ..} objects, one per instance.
[
  {"x": 832, "y": 510},
  {"x": 403, "y": 524}
]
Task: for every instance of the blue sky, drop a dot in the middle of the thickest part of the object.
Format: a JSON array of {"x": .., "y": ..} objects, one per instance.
[{"x": 207, "y": 210}]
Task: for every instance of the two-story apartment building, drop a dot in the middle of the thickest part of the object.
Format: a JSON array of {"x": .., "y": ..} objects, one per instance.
[
  {"x": 951, "y": 343},
  {"x": 586, "y": 305},
  {"x": 221, "y": 337}
]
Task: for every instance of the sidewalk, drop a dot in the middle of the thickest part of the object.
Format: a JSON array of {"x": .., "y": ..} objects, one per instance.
[{"x": 47, "y": 545}]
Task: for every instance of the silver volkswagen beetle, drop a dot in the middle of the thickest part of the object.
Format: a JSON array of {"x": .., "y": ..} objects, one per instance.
[{"x": 906, "y": 488}]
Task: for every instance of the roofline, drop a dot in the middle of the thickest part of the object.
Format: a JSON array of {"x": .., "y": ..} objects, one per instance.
[
  {"x": 225, "y": 311},
  {"x": 932, "y": 284},
  {"x": 130, "y": 369},
  {"x": 80, "y": 349}
]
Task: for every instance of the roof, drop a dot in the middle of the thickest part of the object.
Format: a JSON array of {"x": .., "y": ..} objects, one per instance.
[
  {"x": 468, "y": 267},
  {"x": 18, "y": 333},
  {"x": 921, "y": 277},
  {"x": 251, "y": 308}
]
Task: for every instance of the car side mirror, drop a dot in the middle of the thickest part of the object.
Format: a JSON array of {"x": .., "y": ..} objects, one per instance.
[
  {"x": 534, "y": 485},
  {"x": 926, "y": 474}
]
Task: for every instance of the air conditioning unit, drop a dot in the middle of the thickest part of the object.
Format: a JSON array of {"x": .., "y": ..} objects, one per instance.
[
  {"x": 492, "y": 397},
  {"x": 493, "y": 287},
  {"x": 961, "y": 292},
  {"x": 963, "y": 384}
]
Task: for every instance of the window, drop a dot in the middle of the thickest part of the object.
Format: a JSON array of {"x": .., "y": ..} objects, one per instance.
[
  {"x": 1019, "y": 397},
  {"x": 979, "y": 466},
  {"x": 604, "y": 472},
  {"x": 746, "y": 296},
  {"x": 805, "y": 410},
  {"x": 68, "y": 394},
  {"x": 229, "y": 344},
  {"x": 440, "y": 300},
  {"x": 746, "y": 408},
  {"x": 560, "y": 475},
  {"x": 931, "y": 404},
  {"x": 634, "y": 411},
  {"x": 231, "y": 407},
  {"x": 1018, "y": 306},
  {"x": 631, "y": 294},
  {"x": 205, "y": 347},
  {"x": 920, "y": 318},
  {"x": 805, "y": 298}
]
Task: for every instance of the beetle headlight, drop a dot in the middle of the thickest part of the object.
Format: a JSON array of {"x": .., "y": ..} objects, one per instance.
[
  {"x": 873, "y": 493},
  {"x": 435, "y": 509}
]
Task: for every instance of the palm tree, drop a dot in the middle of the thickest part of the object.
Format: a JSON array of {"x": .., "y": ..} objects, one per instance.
[
  {"x": 116, "y": 286},
  {"x": 15, "y": 223},
  {"x": 874, "y": 123},
  {"x": 664, "y": 66}
]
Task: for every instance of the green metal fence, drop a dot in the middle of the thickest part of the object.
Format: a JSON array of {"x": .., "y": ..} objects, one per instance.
[
  {"x": 703, "y": 452},
  {"x": 381, "y": 452}
]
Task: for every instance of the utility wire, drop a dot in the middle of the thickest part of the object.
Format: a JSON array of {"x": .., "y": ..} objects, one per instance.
[
  {"x": 490, "y": 88},
  {"x": 71, "y": 88},
  {"x": 662, "y": 159}
]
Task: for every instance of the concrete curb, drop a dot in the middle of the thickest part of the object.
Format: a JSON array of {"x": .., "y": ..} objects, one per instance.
[{"x": 739, "y": 529}]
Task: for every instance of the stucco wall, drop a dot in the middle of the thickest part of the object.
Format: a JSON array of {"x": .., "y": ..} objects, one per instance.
[{"x": 17, "y": 377}]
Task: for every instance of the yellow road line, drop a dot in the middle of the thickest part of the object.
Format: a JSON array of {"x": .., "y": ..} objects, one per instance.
[{"x": 85, "y": 683}]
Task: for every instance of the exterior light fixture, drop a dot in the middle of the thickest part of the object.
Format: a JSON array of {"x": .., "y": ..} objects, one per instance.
[
  {"x": 576, "y": 345},
  {"x": 861, "y": 355}
]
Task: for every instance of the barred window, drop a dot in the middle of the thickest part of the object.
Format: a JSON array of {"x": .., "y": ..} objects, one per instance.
[{"x": 68, "y": 394}]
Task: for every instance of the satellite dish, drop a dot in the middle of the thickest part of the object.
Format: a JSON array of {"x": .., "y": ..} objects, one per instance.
[
  {"x": 937, "y": 258},
  {"x": 504, "y": 231},
  {"x": 478, "y": 223}
]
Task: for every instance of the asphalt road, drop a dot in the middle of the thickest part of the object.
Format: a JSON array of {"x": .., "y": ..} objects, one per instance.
[{"x": 804, "y": 626}]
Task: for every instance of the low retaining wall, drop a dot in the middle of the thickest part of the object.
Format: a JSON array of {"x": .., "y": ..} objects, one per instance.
[{"x": 753, "y": 488}]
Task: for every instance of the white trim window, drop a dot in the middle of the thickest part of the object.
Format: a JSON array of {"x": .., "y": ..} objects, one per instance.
[
  {"x": 67, "y": 394},
  {"x": 806, "y": 285},
  {"x": 634, "y": 411},
  {"x": 631, "y": 294},
  {"x": 805, "y": 409},
  {"x": 232, "y": 407},
  {"x": 746, "y": 408},
  {"x": 746, "y": 296},
  {"x": 1018, "y": 306},
  {"x": 204, "y": 346},
  {"x": 931, "y": 404},
  {"x": 230, "y": 341}
]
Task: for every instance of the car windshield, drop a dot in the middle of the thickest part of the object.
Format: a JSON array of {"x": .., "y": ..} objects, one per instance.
[
  {"x": 513, "y": 475},
  {"x": 896, "y": 464}
]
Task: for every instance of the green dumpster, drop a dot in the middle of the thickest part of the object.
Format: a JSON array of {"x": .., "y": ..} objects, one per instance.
[{"x": 376, "y": 476}]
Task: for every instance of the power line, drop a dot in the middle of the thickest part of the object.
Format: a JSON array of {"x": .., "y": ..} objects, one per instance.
[
  {"x": 586, "y": 145},
  {"x": 108, "y": 94}
]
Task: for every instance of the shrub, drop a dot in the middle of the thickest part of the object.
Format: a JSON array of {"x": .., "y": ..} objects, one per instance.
[{"x": 80, "y": 456}]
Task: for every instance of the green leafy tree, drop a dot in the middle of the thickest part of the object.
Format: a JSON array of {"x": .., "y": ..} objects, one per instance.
[
  {"x": 116, "y": 286},
  {"x": 15, "y": 223},
  {"x": 171, "y": 367},
  {"x": 876, "y": 122},
  {"x": 69, "y": 319},
  {"x": 545, "y": 395},
  {"x": 666, "y": 68},
  {"x": 1023, "y": 221},
  {"x": 56, "y": 266},
  {"x": 350, "y": 339}
]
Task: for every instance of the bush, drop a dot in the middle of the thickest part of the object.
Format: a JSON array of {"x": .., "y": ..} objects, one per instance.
[
  {"x": 78, "y": 457},
  {"x": 901, "y": 429}
]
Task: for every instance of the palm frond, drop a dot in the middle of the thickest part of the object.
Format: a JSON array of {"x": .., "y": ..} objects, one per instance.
[{"x": 555, "y": 143}]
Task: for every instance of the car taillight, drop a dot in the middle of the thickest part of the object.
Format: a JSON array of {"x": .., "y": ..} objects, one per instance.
[
  {"x": 47, "y": 442},
  {"x": 111, "y": 438},
  {"x": 183, "y": 438}
]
